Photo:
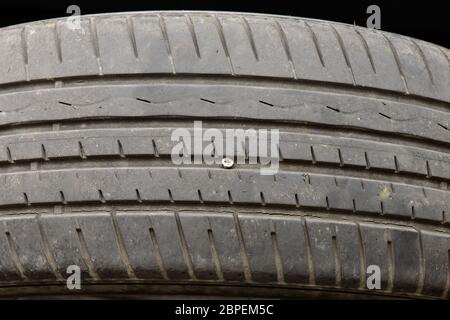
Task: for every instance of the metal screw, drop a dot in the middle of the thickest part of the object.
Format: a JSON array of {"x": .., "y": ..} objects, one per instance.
[{"x": 227, "y": 163}]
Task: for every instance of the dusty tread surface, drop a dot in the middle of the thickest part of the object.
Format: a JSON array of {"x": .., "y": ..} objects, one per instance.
[
  {"x": 202, "y": 246},
  {"x": 207, "y": 43},
  {"x": 86, "y": 118}
]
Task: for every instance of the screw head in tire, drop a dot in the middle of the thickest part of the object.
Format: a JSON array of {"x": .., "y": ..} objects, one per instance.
[{"x": 227, "y": 163}]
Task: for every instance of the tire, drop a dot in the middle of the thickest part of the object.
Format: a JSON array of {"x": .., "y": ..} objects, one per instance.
[{"x": 87, "y": 178}]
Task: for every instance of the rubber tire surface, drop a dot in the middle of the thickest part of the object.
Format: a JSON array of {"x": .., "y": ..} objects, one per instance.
[{"x": 87, "y": 179}]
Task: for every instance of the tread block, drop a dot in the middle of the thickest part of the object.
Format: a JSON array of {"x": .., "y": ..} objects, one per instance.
[
  {"x": 292, "y": 247},
  {"x": 226, "y": 241},
  {"x": 406, "y": 253},
  {"x": 102, "y": 245},
  {"x": 436, "y": 262},
  {"x": 259, "y": 249},
  {"x": 250, "y": 52},
  {"x": 142, "y": 252},
  {"x": 198, "y": 234},
  {"x": 26, "y": 244},
  {"x": 413, "y": 66},
  {"x": 349, "y": 253},
  {"x": 151, "y": 45},
  {"x": 194, "y": 45},
  {"x": 372, "y": 62},
  {"x": 435, "y": 58},
  {"x": 169, "y": 240},
  {"x": 14, "y": 56},
  {"x": 8, "y": 269},
  {"x": 316, "y": 52},
  {"x": 72, "y": 42},
  {"x": 114, "y": 42},
  {"x": 323, "y": 254},
  {"x": 376, "y": 251},
  {"x": 64, "y": 243},
  {"x": 42, "y": 45}
]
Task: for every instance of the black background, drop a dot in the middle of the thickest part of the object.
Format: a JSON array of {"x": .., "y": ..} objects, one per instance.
[{"x": 427, "y": 20}]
